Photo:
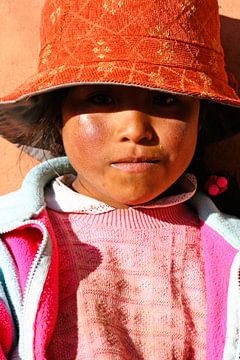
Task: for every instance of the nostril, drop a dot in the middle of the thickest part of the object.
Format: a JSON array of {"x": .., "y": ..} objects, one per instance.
[
  {"x": 138, "y": 139},
  {"x": 125, "y": 139}
]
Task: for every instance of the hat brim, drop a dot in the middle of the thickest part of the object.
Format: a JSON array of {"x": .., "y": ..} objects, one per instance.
[{"x": 176, "y": 80}]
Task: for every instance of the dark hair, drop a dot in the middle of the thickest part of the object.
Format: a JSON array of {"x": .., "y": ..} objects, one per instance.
[{"x": 37, "y": 122}]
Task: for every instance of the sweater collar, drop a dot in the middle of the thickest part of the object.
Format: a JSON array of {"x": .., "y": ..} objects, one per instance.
[{"x": 59, "y": 196}]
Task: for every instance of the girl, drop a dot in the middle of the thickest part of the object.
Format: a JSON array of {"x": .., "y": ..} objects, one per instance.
[{"x": 109, "y": 253}]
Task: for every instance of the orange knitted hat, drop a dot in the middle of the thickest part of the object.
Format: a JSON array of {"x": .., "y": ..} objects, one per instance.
[{"x": 170, "y": 45}]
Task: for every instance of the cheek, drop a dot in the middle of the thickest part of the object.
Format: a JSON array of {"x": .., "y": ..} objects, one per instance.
[
  {"x": 83, "y": 133},
  {"x": 180, "y": 141},
  {"x": 181, "y": 132},
  {"x": 89, "y": 131}
]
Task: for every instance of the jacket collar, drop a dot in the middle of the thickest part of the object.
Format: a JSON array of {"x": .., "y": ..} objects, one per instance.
[
  {"x": 28, "y": 201},
  {"x": 227, "y": 226}
]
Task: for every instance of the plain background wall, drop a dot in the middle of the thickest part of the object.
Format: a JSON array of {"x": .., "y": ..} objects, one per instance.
[{"x": 19, "y": 39}]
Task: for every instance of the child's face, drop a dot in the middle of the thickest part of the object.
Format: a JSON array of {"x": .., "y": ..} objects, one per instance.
[{"x": 127, "y": 144}]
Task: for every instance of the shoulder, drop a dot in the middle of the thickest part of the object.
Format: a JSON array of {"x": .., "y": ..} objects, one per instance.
[
  {"x": 28, "y": 201},
  {"x": 223, "y": 225}
]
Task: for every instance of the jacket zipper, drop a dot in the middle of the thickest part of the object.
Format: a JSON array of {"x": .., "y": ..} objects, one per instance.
[{"x": 26, "y": 323}]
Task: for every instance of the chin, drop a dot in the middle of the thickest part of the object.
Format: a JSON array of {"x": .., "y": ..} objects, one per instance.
[
  {"x": 140, "y": 200},
  {"x": 141, "y": 197}
]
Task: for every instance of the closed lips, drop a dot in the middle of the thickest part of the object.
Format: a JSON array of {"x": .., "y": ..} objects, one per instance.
[
  {"x": 136, "y": 165},
  {"x": 136, "y": 160}
]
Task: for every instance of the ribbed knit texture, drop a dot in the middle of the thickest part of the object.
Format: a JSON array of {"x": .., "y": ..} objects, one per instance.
[{"x": 131, "y": 286}]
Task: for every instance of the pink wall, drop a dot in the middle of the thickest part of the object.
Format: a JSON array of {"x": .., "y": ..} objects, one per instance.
[
  {"x": 230, "y": 8},
  {"x": 19, "y": 34}
]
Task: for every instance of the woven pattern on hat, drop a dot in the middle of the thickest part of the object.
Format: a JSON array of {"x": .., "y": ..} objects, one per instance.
[{"x": 172, "y": 45}]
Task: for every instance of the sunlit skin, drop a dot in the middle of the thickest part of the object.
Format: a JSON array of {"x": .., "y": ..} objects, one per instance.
[{"x": 127, "y": 144}]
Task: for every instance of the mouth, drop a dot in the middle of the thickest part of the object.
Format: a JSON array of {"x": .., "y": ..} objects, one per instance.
[{"x": 135, "y": 164}]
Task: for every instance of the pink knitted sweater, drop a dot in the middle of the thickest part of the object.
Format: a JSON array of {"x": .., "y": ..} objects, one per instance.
[{"x": 131, "y": 285}]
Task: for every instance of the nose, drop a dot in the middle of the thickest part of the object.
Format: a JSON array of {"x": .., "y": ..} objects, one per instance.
[{"x": 135, "y": 127}]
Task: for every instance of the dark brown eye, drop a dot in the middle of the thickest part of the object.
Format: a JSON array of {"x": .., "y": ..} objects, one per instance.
[
  {"x": 164, "y": 99},
  {"x": 101, "y": 99}
]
